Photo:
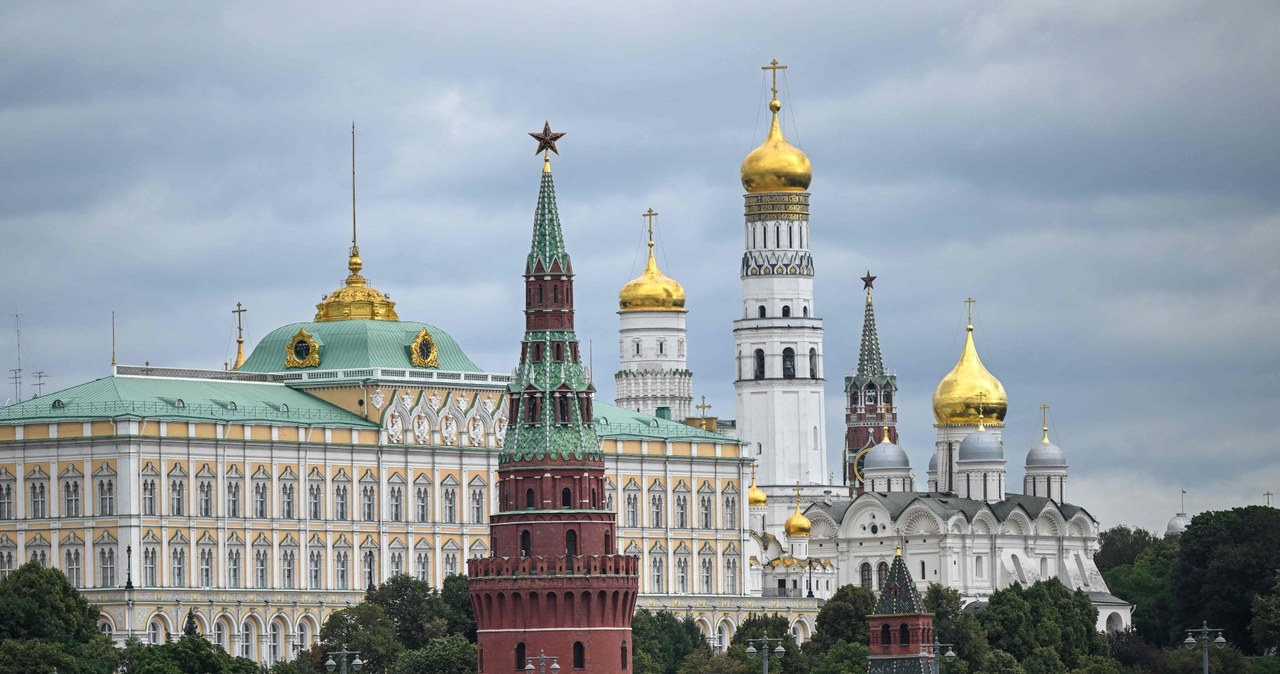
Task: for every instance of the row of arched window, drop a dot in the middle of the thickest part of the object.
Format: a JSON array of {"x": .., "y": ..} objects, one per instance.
[
  {"x": 786, "y": 311},
  {"x": 579, "y": 657},
  {"x": 788, "y": 364},
  {"x": 871, "y": 396},
  {"x": 38, "y": 499},
  {"x": 760, "y": 236}
]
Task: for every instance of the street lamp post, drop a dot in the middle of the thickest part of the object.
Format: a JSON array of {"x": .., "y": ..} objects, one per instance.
[
  {"x": 765, "y": 653},
  {"x": 811, "y": 579},
  {"x": 949, "y": 656},
  {"x": 1202, "y": 637},
  {"x": 542, "y": 658},
  {"x": 356, "y": 664}
]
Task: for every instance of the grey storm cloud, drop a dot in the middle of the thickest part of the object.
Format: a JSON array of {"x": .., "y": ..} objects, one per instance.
[{"x": 1100, "y": 176}]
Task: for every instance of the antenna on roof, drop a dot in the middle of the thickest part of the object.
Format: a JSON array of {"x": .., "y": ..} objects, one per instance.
[
  {"x": 40, "y": 377},
  {"x": 113, "y": 341},
  {"x": 355, "y": 250},
  {"x": 17, "y": 372}
]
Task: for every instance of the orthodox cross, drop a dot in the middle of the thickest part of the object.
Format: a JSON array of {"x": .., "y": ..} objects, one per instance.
[
  {"x": 797, "y": 488},
  {"x": 239, "y": 312},
  {"x": 546, "y": 141},
  {"x": 354, "y": 249},
  {"x": 981, "y": 425},
  {"x": 773, "y": 65},
  {"x": 968, "y": 302},
  {"x": 703, "y": 409},
  {"x": 1267, "y": 495},
  {"x": 1044, "y": 414},
  {"x": 650, "y": 215}
]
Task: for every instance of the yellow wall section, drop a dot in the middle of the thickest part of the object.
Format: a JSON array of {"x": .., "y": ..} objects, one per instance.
[
  {"x": 100, "y": 428},
  {"x": 8, "y": 432},
  {"x": 259, "y": 432},
  {"x": 288, "y": 434},
  {"x": 71, "y": 429},
  {"x": 204, "y": 431},
  {"x": 341, "y": 436},
  {"x": 36, "y": 432}
]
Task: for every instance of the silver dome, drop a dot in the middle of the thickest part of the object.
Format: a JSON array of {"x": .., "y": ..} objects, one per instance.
[
  {"x": 1177, "y": 525},
  {"x": 886, "y": 455},
  {"x": 981, "y": 446},
  {"x": 1046, "y": 455},
  {"x": 933, "y": 463}
]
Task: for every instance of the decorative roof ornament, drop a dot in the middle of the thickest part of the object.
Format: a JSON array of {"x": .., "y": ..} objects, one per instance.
[
  {"x": 776, "y": 166},
  {"x": 968, "y": 387},
  {"x": 756, "y": 495},
  {"x": 239, "y": 312},
  {"x": 870, "y": 363},
  {"x": 797, "y": 526},
  {"x": 651, "y": 290},
  {"x": 906, "y": 599},
  {"x": 356, "y": 300},
  {"x": 546, "y": 144}
]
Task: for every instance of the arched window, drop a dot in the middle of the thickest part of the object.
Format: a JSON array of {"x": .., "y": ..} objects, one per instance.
[
  {"x": 760, "y": 311},
  {"x": 882, "y": 572},
  {"x": 608, "y": 543},
  {"x": 520, "y": 659},
  {"x": 885, "y": 634},
  {"x": 887, "y": 396},
  {"x": 813, "y": 363},
  {"x": 805, "y": 311},
  {"x": 571, "y": 543},
  {"x": 870, "y": 395},
  {"x": 759, "y": 364},
  {"x": 788, "y": 363},
  {"x": 904, "y": 634},
  {"x": 562, "y": 402},
  {"x": 579, "y": 655},
  {"x": 566, "y": 498},
  {"x": 624, "y": 655},
  {"x": 528, "y": 499},
  {"x": 864, "y": 573},
  {"x": 786, "y": 311},
  {"x": 559, "y": 351},
  {"x": 526, "y": 543}
]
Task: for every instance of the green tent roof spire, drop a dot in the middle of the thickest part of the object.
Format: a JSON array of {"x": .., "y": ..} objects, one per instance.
[
  {"x": 548, "y": 239},
  {"x": 870, "y": 364}
]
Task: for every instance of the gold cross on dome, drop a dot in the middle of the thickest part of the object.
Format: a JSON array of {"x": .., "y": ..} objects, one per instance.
[
  {"x": 1268, "y": 495},
  {"x": 968, "y": 302},
  {"x": 703, "y": 407},
  {"x": 773, "y": 65},
  {"x": 650, "y": 215},
  {"x": 239, "y": 312}
]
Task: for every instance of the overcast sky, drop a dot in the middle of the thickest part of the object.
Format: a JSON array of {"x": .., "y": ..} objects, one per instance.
[{"x": 1102, "y": 177}]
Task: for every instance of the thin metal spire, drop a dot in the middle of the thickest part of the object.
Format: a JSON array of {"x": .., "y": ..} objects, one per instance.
[
  {"x": 113, "y": 339},
  {"x": 355, "y": 250}
]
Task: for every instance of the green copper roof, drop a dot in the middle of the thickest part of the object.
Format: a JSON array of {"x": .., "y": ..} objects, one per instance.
[
  {"x": 548, "y": 239},
  {"x": 119, "y": 397},
  {"x": 617, "y": 423},
  {"x": 357, "y": 344},
  {"x": 870, "y": 364}
]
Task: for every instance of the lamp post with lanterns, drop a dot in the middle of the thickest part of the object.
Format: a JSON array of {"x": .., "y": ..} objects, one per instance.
[
  {"x": 949, "y": 656},
  {"x": 765, "y": 653},
  {"x": 542, "y": 658},
  {"x": 1204, "y": 636},
  {"x": 356, "y": 664}
]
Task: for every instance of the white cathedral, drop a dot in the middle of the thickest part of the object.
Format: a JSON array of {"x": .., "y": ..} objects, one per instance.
[{"x": 966, "y": 530}]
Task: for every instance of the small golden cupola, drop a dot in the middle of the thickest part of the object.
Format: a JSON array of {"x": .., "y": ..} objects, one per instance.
[
  {"x": 756, "y": 495},
  {"x": 797, "y": 526},
  {"x": 969, "y": 394},
  {"x": 651, "y": 290},
  {"x": 355, "y": 300},
  {"x": 776, "y": 166}
]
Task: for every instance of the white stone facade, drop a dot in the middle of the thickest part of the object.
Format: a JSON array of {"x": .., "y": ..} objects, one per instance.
[{"x": 654, "y": 377}]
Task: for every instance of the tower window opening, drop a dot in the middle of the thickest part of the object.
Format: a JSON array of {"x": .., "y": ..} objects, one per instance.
[
  {"x": 555, "y": 294},
  {"x": 566, "y": 498},
  {"x": 761, "y": 311},
  {"x": 904, "y": 634},
  {"x": 563, "y": 403},
  {"x": 887, "y": 396},
  {"x": 624, "y": 655},
  {"x": 805, "y": 311},
  {"x": 608, "y": 543},
  {"x": 759, "y": 358},
  {"x": 813, "y": 363},
  {"x": 637, "y": 343},
  {"x": 870, "y": 396},
  {"x": 885, "y": 634},
  {"x": 788, "y": 363},
  {"x": 559, "y": 352},
  {"x": 571, "y": 543},
  {"x": 786, "y": 311},
  {"x": 520, "y": 659},
  {"x": 529, "y": 499},
  {"x": 662, "y": 348},
  {"x": 579, "y": 655},
  {"x": 539, "y": 295},
  {"x": 791, "y": 237},
  {"x": 531, "y": 410},
  {"x": 526, "y": 543},
  {"x": 537, "y": 352},
  {"x": 777, "y": 236}
]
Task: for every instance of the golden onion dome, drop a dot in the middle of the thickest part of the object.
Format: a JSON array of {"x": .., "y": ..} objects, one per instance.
[
  {"x": 969, "y": 393},
  {"x": 356, "y": 300},
  {"x": 651, "y": 290},
  {"x": 776, "y": 166},
  {"x": 756, "y": 495},
  {"x": 797, "y": 526}
]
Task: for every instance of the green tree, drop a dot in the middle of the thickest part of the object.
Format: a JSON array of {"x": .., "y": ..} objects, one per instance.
[
  {"x": 704, "y": 662},
  {"x": 1265, "y": 625},
  {"x": 451, "y": 654},
  {"x": 1120, "y": 546},
  {"x": 775, "y": 627},
  {"x": 1129, "y": 649},
  {"x": 188, "y": 655},
  {"x": 951, "y": 625},
  {"x": 842, "y": 618},
  {"x": 414, "y": 607},
  {"x": 366, "y": 628},
  {"x": 45, "y": 624},
  {"x": 1098, "y": 664},
  {"x": 662, "y": 640},
  {"x": 644, "y": 663},
  {"x": 1018, "y": 621},
  {"x": 1148, "y": 584},
  {"x": 1178, "y": 660},
  {"x": 1000, "y": 662},
  {"x": 1044, "y": 660},
  {"x": 1227, "y": 558},
  {"x": 1007, "y": 622},
  {"x": 456, "y": 593},
  {"x": 842, "y": 657}
]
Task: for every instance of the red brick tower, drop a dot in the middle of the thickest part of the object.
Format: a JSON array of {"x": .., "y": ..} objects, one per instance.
[
  {"x": 555, "y": 583},
  {"x": 871, "y": 407},
  {"x": 901, "y": 630}
]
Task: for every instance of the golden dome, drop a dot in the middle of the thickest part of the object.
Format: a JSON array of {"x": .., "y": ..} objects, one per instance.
[
  {"x": 776, "y": 166},
  {"x": 356, "y": 300},
  {"x": 969, "y": 393},
  {"x": 797, "y": 526},
  {"x": 756, "y": 495},
  {"x": 651, "y": 290}
]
